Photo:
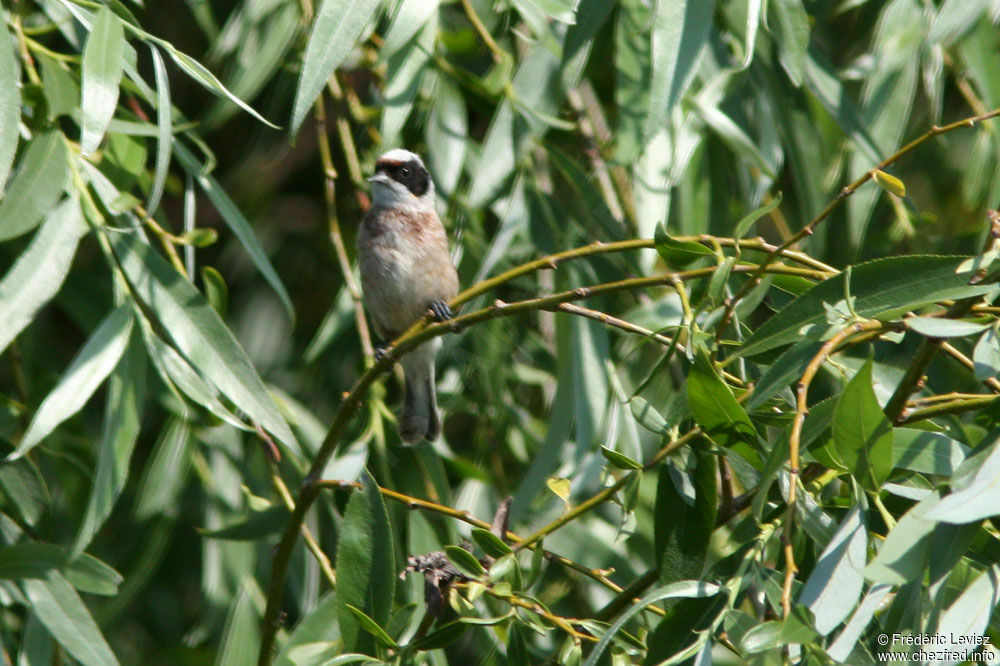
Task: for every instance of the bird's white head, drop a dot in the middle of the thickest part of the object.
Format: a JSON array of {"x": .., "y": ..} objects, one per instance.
[{"x": 401, "y": 179}]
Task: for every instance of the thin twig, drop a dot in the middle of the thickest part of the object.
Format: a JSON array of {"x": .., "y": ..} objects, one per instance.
[
  {"x": 801, "y": 409},
  {"x": 847, "y": 191}
]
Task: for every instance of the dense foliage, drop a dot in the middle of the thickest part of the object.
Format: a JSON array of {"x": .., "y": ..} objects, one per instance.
[{"x": 728, "y": 338}]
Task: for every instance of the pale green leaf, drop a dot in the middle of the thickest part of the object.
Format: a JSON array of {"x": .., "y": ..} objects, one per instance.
[
  {"x": 40, "y": 270},
  {"x": 37, "y": 185},
  {"x": 336, "y": 28},
  {"x": 103, "y": 58},
  {"x": 10, "y": 107}
]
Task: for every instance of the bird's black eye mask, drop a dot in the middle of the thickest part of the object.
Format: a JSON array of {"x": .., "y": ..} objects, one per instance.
[{"x": 412, "y": 175}]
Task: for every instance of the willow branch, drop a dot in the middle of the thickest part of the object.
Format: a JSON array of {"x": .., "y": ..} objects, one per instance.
[
  {"x": 956, "y": 406},
  {"x": 794, "y": 439},
  {"x": 810, "y": 228},
  {"x": 421, "y": 332}
]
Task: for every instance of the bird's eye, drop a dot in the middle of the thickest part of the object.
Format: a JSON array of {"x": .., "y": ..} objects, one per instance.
[{"x": 404, "y": 172}]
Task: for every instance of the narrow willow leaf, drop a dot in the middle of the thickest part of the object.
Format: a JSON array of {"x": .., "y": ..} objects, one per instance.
[
  {"x": 560, "y": 488},
  {"x": 318, "y": 627},
  {"x": 198, "y": 332},
  {"x": 89, "y": 369},
  {"x": 491, "y": 544},
  {"x": 590, "y": 18},
  {"x": 632, "y": 75},
  {"x": 165, "y": 471},
  {"x": 966, "y": 619},
  {"x": 535, "y": 87},
  {"x": 40, "y": 270},
  {"x": 986, "y": 355},
  {"x": 37, "y": 185},
  {"x": 10, "y": 107},
  {"x": 752, "y": 24},
  {"x": 743, "y": 226},
  {"x": 164, "y": 131},
  {"x": 926, "y": 452},
  {"x": 861, "y": 432},
  {"x": 882, "y": 288},
  {"x": 903, "y": 556},
  {"x": 678, "y": 254},
  {"x": 975, "y": 501},
  {"x": 409, "y": 17},
  {"x": 834, "y": 586},
  {"x": 122, "y": 418},
  {"x": 202, "y": 75},
  {"x": 255, "y": 526},
  {"x": 937, "y": 327},
  {"x": 241, "y": 635},
  {"x": 715, "y": 409},
  {"x": 237, "y": 222},
  {"x": 890, "y": 183},
  {"x": 373, "y": 628},
  {"x": 34, "y": 559},
  {"x": 841, "y": 648},
  {"x": 22, "y": 483},
  {"x": 685, "y": 589},
  {"x": 447, "y": 128},
  {"x": 336, "y": 28},
  {"x": 680, "y": 30},
  {"x": 681, "y": 533},
  {"x": 58, "y": 606},
  {"x": 103, "y": 58},
  {"x": 619, "y": 460},
  {"x": 406, "y": 73},
  {"x": 790, "y": 24},
  {"x": 365, "y": 567}
]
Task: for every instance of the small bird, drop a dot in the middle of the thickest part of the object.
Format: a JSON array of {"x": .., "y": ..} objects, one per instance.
[{"x": 406, "y": 270}]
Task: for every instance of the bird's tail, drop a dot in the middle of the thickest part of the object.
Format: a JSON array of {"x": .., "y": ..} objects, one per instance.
[{"x": 419, "y": 417}]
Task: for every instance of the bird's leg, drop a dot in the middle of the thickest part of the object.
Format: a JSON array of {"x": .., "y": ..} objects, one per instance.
[{"x": 440, "y": 310}]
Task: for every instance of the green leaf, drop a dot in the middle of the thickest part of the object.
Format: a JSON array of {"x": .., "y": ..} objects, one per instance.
[
  {"x": 336, "y": 28},
  {"x": 406, "y": 73},
  {"x": 841, "y": 648},
  {"x": 237, "y": 222},
  {"x": 937, "y": 327},
  {"x": 22, "y": 483},
  {"x": 491, "y": 544},
  {"x": 743, "y": 226},
  {"x": 241, "y": 635},
  {"x": 903, "y": 556},
  {"x": 465, "y": 561},
  {"x": 890, "y": 183},
  {"x": 686, "y": 589},
  {"x": 882, "y": 288},
  {"x": 834, "y": 586},
  {"x": 968, "y": 616},
  {"x": 680, "y": 30},
  {"x": 861, "y": 432},
  {"x": 318, "y": 627},
  {"x": 619, "y": 460},
  {"x": 198, "y": 332},
  {"x": 790, "y": 24},
  {"x": 975, "y": 501},
  {"x": 682, "y": 532},
  {"x": 926, "y": 452},
  {"x": 91, "y": 366},
  {"x": 442, "y": 637},
  {"x": 785, "y": 369},
  {"x": 103, "y": 58},
  {"x": 36, "y": 187},
  {"x": 34, "y": 559},
  {"x": 372, "y": 627},
  {"x": 447, "y": 128},
  {"x": 164, "y": 131},
  {"x": 122, "y": 418},
  {"x": 366, "y": 572},
  {"x": 166, "y": 471},
  {"x": 40, "y": 269},
  {"x": 715, "y": 409},
  {"x": 678, "y": 254},
  {"x": 409, "y": 17},
  {"x": 254, "y": 526},
  {"x": 216, "y": 291},
  {"x": 986, "y": 355},
  {"x": 10, "y": 107},
  {"x": 55, "y": 602}
]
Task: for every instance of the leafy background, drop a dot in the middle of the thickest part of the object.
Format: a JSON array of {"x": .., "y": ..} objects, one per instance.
[{"x": 181, "y": 188}]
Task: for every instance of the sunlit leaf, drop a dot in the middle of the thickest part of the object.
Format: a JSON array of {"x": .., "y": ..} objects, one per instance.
[{"x": 102, "y": 73}]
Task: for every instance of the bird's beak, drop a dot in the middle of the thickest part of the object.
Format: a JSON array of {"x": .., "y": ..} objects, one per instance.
[{"x": 379, "y": 178}]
